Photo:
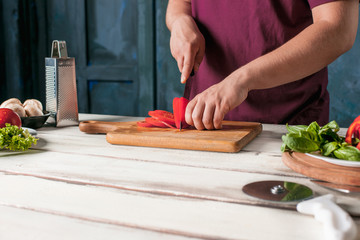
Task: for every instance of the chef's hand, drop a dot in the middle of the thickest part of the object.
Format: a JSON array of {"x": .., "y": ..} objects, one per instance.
[
  {"x": 187, "y": 45},
  {"x": 207, "y": 109}
]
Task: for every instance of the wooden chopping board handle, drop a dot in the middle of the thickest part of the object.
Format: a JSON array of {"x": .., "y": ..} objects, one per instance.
[{"x": 97, "y": 126}]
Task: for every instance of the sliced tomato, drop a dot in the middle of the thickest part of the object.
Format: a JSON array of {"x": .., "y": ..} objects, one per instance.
[
  {"x": 179, "y": 107},
  {"x": 144, "y": 124},
  {"x": 156, "y": 122},
  {"x": 169, "y": 125},
  {"x": 164, "y": 116}
]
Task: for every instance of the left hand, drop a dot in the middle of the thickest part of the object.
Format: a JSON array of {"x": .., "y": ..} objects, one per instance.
[{"x": 207, "y": 109}]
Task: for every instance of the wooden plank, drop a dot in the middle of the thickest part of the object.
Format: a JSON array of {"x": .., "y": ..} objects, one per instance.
[
  {"x": 172, "y": 215},
  {"x": 112, "y": 56},
  {"x": 43, "y": 226},
  {"x": 168, "y": 83},
  {"x": 166, "y": 179},
  {"x": 3, "y": 89},
  {"x": 112, "y": 32},
  {"x": 12, "y": 51},
  {"x": 262, "y": 155},
  {"x": 344, "y": 86},
  {"x": 146, "y": 72},
  {"x": 111, "y": 73},
  {"x": 40, "y": 47},
  {"x": 100, "y": 102},
  {"x": 66, "y": 20}
]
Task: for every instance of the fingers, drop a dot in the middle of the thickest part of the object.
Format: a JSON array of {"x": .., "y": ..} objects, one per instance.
[
  {"x": 208, "y": 116},
  {"x": 218, "y": 118},
  {"x": 180, "y": 63},
  {"x": 203, "y": 115},
  {"x": 187, "y": 67},
  {"x": 189, "y": 110},
  {"x": 197, "y": 116},
  {"x": 192, "y": 62}
]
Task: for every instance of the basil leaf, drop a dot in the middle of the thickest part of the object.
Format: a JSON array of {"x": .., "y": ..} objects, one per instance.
[
  {"x": 328, "y": 148},
  {"x": 302, "y": 138},
  {"x": 313, "y": 128},
  {"x": 328, "y": 135},
  {"x": 348, "y": 153},
  {"x": 301, "y": 144},
  {"x": 310, "y": 135},
  {"x": 296, "y": 128},
  {"x": 332, "y": 125}
]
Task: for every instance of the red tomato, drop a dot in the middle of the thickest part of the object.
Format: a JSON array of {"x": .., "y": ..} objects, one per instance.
[
  {"x": 155, "y": 122},
  {"x": 179, "y": 107},
  {"x": 164, "y": 116},
  {"x": 9, "y": 116}
]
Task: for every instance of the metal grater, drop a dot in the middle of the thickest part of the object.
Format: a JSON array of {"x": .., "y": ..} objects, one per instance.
[{"x": 61, "y": 95}]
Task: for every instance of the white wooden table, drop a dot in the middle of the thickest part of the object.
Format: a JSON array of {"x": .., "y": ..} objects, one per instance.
[{"x": 73, "y": 185}]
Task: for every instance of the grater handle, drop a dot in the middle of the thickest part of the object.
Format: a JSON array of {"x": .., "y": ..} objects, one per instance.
[{"x": 58, "y": 49}]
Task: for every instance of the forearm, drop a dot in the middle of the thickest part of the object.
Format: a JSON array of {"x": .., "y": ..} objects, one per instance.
[
  {"x": 310, "y": 51},
  {"x": 176, "y": 9}
]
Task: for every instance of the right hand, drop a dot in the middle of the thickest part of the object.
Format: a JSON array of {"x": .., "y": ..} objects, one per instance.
[{"x": 187, "y": 45}]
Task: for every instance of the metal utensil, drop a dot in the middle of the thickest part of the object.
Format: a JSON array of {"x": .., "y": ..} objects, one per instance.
[
  {"x": 338, "y": 187},
  {"x": 280, "y": 191},
  {"x": 61, "y": 94}
]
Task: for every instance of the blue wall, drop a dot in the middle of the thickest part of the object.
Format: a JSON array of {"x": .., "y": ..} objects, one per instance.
[{"x": 344, "y": 86}]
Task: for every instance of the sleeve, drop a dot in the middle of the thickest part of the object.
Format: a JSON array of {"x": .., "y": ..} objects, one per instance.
[{"x": 315, "y": 3}]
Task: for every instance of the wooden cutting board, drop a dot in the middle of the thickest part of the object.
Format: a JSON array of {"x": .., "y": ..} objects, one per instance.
[
  {"x": 231, "y": 138},
  {"x": 321, "y": 170}
]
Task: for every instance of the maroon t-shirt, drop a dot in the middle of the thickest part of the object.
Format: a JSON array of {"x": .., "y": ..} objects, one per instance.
[{"x": 237, "y": 32}]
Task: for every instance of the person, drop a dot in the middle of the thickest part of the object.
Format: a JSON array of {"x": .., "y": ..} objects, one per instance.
[{"x": 258, "y": 60}]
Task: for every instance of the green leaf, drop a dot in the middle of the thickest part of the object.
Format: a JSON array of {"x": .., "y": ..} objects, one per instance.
[
  {"x": 313, "y": 127},
  {"x": 296, "y": 128},
  {"x": 302, "y": 138},
  {"x": 328, "y": 148},
  {"x": 310, "y": 135},
  {"x": 301, "y": 144},
  {"x": 350, "y": 153},
  {"x": 332, "y": 125},
  {"x": 327, "y": 134},
  {"x": 15, "y": 138}
]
